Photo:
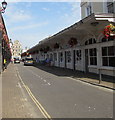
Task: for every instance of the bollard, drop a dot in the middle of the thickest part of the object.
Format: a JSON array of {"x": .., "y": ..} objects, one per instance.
[{"x": 100, "y": 76}]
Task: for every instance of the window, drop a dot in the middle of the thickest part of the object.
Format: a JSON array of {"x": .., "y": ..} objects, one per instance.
[
  {"x": 108, "y": 56},
  {"x": 47, "y": 56},
  {"x": 61, "y": 57},
  {"x": 55, "y": 56},
  {"x": 110, "y": 38},
  {"x": 110, "y": 7},
  {"x": 78, "y": 55},
  {"x": 88, "y": 9},
  {"x": 90, "y": 41},
  {"x": 93, "y": 56},
  {"x": 68, "y": 56},
  {"x": 51, "y": 56}
]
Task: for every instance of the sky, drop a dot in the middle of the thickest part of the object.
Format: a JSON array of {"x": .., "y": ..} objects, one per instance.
[{"x": 31, "y": 22}]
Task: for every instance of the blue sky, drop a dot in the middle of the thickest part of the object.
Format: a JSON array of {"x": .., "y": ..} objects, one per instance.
[{"x": 30, "y": 22}]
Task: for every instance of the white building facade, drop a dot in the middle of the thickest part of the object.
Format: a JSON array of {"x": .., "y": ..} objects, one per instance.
[
  {"x": 104, "y": 6},
  {"x": 82, "y": 46}
]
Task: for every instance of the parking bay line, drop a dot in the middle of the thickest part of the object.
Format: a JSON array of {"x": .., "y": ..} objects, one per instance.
[{"x": 40, "y": 107}]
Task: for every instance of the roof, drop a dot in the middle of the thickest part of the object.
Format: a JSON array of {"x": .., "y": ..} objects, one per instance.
[{"x": 93, "y": 18}]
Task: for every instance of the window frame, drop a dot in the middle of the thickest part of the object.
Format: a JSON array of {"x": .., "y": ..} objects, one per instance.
[
  {"x": 93, "y": 57},
  {"x": 110, "y": 7},
  {"x": 78, "y": 56},
  {"x": 61, "y": 57},
  {"x": 107, "y": 56},
  {"x": 68, "y": 56}
]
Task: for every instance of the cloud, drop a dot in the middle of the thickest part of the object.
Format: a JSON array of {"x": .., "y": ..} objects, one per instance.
[
  {"x": 76, "y": 10},
  {"x": 74, "y": 15},
  {"x": 30, "y": 26},
  {"x": 46, "y": 9},
  {"x": 14, "y": 14}
]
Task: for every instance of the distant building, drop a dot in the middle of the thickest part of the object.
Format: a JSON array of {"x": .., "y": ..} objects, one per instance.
[
  {"x": 16, "y": 49},
  {"x": 11, "y": 44},
  {"x": 87, "y": 8}
]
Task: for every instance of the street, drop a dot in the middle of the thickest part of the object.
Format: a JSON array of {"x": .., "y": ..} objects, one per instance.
[{"x": 62, "y": 97}]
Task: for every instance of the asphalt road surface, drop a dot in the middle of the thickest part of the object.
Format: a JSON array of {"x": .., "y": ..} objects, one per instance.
[{"x": 64, "y": 97}]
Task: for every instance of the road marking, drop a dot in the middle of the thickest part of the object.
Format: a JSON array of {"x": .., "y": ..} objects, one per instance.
[
  {"x": 40, "y": 107},
  {"x": 44, "y": 80}
]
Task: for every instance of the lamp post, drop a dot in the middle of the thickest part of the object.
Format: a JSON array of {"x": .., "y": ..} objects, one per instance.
[{"x": 4, "y": 5}]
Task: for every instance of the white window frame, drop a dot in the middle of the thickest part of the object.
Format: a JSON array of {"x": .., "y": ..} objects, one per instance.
[
  {"x": 88, "y": 9},
  {"x": 107, "y": 56},
  {"x": 68, "y": 57},
  {"x": 78, "y": 57}
]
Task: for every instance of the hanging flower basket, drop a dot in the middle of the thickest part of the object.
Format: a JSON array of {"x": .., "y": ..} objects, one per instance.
[
  {"x": 72, "y": 42},
  {"x": 109, "y": 30}
]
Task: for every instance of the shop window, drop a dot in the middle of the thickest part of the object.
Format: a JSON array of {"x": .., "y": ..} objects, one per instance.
[
  {"x": 61, "y": 57},
  {"x": 93, "y": 56},
  {"x": 51, "y": 56},
  {"x": 47, "y": 56},
  {"x": 55, "y": 56},
  {"x": 68, "y": 56},
  {"x": 78, "y": 55},
  {"x": 108, "y": 56}
]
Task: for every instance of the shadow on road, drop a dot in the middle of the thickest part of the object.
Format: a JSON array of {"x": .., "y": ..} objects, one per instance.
[{"x": 73, "y": 73}]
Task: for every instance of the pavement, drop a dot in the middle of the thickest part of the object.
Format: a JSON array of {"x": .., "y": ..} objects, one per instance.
[
  {"x": 15, "y": 102},
  {"x": 106, "y": 82}
]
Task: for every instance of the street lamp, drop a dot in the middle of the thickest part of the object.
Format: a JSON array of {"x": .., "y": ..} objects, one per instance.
[{"x": 4, "y": 5}]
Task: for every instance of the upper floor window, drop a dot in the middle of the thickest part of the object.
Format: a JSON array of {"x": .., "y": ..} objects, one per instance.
[
  {"x": 88, "y": 9},
  {"x": 110, "y": 7}
]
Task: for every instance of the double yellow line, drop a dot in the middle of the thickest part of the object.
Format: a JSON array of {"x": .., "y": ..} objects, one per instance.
[{"x": 40, "y": 107}]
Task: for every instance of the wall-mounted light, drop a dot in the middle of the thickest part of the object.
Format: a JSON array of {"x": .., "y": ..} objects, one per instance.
[{"x": 4, "y": 5}]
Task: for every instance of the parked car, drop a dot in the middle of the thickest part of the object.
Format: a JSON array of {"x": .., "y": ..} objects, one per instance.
[
  {"x": 28, "y": 61},
  {"x": 16, "y": 60}
]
